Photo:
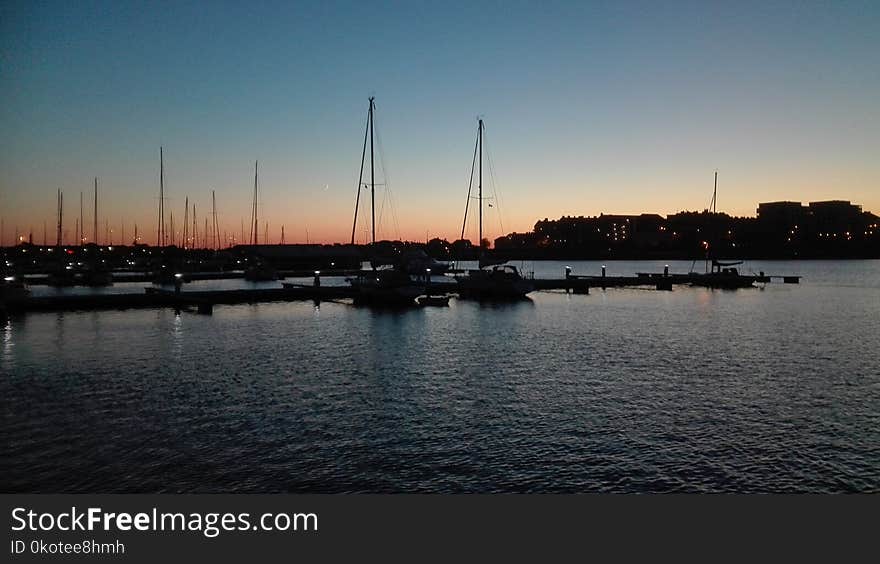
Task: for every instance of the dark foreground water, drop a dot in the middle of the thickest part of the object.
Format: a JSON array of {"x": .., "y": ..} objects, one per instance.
[{"x": 626, "y": 390}]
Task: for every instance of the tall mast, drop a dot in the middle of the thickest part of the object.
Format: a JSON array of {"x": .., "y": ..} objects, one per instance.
[
  {"x": 480, "y": 185},
  {"x": 361, "y": 173},
  {"x": 96, "y": 211},
  {"x": 185, "y": 220},
  {"x": 195, "y": 231},
  {"x": 82, "y": 226},
  {"x": 256, "y": 224},
  {"x": 60, "y": 217},
  {"x": 214, "y": 213},
  {"x": 160, "y": 230},
  {"x": 715, "y": 194},
  {"x": 372, "y": 171}
]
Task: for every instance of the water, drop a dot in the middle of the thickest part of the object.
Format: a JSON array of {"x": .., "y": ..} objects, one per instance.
[{"x": 773, "y": 390}]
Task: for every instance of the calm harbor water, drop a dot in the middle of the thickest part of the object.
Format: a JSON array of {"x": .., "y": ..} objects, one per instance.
[{"x": 694, "y": 390}]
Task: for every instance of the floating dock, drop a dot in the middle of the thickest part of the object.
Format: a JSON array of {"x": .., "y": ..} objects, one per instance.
[
  {"x": 203, "y": 301},
  {"x": 162, "y": 298}
]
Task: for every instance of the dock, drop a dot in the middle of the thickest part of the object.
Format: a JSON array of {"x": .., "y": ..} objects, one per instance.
[
  {"x": 203, "y": 301},
  {"x": 162, "y": 298}
]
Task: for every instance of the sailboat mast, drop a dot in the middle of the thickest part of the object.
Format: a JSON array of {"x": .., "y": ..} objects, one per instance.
[
  {"x": 372, "y": 171},
  {"x": 214, "y": 214},
  {"x": 185, "y": 221},
  {"x": 96, "y": 211},
  {"x": 480, "y": 185},
  {"x": 82, "y": 226},
  {"x": 357, "y": 200},
  {"x": 715, "y": 194},
  {"x": 160, "y": 229},
  {"x": 256, "y": 225},
  {"x": 60, "y": 215},
  {"x": 195, "y": 230}
]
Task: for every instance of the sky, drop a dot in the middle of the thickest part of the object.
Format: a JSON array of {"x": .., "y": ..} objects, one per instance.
[{"x": 590, "y": 107}]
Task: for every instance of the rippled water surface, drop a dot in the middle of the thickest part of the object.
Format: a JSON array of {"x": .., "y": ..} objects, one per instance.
[{"x": 625, "y": 390}]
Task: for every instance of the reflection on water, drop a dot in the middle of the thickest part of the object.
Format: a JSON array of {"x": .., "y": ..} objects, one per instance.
[{"x": 624, "y": 390}]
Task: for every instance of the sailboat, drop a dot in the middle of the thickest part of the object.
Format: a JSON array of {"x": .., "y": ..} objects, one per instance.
[
  {"x": 723, "y": 275},
  {"x": 258, "y": 270},
  {"x": 493, "y": 280},
  {"x": 389, "y": 282},
  {"x": 95, "y": 273}
]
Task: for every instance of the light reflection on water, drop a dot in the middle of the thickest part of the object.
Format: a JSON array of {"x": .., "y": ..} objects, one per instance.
[{"x": 623, "y": 390}]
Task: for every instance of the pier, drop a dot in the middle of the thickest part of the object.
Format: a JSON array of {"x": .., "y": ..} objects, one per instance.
[
  {"x": 162, "y": 298},
  {"x": 204, "y": 300}
]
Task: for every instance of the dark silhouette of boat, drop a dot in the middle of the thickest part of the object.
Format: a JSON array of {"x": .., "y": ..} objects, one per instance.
[
  {"x": 385, "y": 286},
  {"x": 723, "y": 276},
  {"x": 502, "y": 282},
  {"x": 389, "y": 282},
  {"x": 62, "y": 277},
  {"x": 491, "y": 280}
]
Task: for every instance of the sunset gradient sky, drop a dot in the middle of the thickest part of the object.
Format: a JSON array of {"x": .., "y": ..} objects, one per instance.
[{"x": 615, "y": 107}]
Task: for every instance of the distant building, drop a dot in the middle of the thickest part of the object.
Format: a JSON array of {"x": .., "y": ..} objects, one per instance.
[
  {"x": 835, "y": 216},
  {"x": 783, "y": 214}
]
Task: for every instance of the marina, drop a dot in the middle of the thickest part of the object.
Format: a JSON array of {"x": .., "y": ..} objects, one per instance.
[
  {"x": 334, "y": 288},
  {"x": 205, "y": 289}
]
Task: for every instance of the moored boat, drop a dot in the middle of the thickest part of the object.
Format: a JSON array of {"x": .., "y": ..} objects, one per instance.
[
  {"x": 388, "y": 282},
  {"x": 491, "y": 281}
]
